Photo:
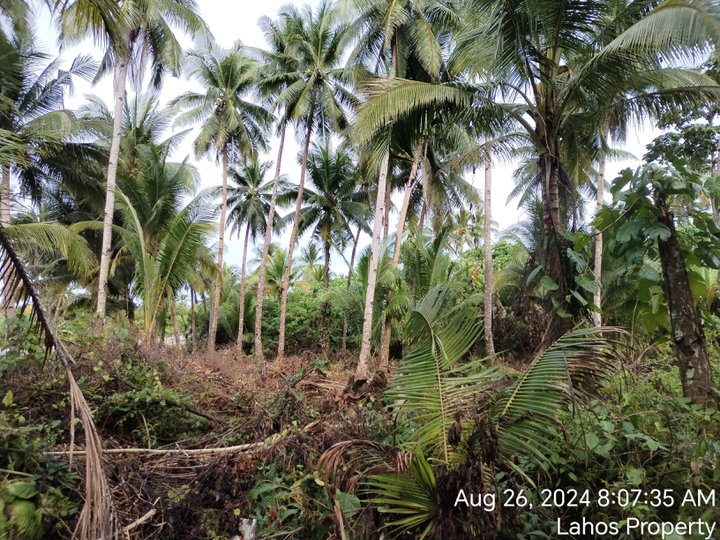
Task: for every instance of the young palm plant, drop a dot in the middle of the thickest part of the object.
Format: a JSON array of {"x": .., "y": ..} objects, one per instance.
[{"x": 135, "y": 33}]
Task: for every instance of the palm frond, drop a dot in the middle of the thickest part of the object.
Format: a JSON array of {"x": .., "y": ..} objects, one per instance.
[
  {"x": 575, "y": 366},
  {"x": 97, "y": 518}
]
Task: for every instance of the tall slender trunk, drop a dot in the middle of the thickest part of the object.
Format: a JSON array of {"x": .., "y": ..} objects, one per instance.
[
  {"x": 120, "y": 79},
  {"x": 425, "y": 208},
  {"x": 293, "y": 239},
  {"x": 557, "y": 266},
  {"x": 8, "y": 312},
  {"x": 264, "y": 258},
  {"x": 688, "y": 338},
  {"x": 362, "y": 372},
  {"x": 325, "y": 307},
  {"x": 173, "y": 319},
  {"x": 600, "y": 200},
  {"x": 386, "y": 219},
  {"x": 347, "y": 288},
  {"x": 193, "y": 326},
  {"x": 221, "y": 241},
  {"x": 402, "y": 218},
  {"x": 5, "y": 197},
  {"x": 241, "y": 321},
  {"x": 487, "y": 249}
]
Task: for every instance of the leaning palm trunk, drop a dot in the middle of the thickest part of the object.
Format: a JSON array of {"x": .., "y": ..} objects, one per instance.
[
  {"x": 362, "y": 373},
  {"x": 263, "y": 261},
  {"x": 97, "y": 518},
  {"x": 119, "y": 82},
  {"x": 487, "y": 247},
  {"x": 5, "y": 197},
  {"x": 597, "y": 295},
  {"x": 293, "y": 239},
  {"x": 221, "y": 241},
  {"x": 347, "y": 288},
  {"x": 9, "y": 310},
  {"x": 241, "y": 322},
  {"x": 387, "y": 326}
]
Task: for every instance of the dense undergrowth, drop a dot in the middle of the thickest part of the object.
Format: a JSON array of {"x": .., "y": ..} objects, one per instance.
[{"x": 638, "y": 433}]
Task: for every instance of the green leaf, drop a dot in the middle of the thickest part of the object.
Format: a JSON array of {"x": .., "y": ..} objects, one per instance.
[
  {"x": 591, "y": 440},
  {"x": 349, "y": 503},
  {"x": 635, "y": 475},
  {"x": 587, "y": 283},
  {"x": 22, "y": 489},
  {"x": 549, "y": 284},
  {"x": 8, "y": 399},
  {"x": 657, "y": 232}
]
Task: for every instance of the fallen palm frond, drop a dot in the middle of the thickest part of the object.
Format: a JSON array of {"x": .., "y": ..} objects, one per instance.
[
  {"x": 248, "y": 447},
  {"x": 97, "y": 518}
]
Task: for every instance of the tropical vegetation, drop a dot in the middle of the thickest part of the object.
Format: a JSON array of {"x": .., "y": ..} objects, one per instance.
[{"x": 377, "y": 348}]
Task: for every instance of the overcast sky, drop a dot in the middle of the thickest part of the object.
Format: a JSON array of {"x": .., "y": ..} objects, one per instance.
[{"x": 233, "y": 21}]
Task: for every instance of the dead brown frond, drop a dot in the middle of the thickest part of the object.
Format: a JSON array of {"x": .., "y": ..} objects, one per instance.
[
  {"x": 97, "y": 518},
  {"x": 349, "y": 462}
]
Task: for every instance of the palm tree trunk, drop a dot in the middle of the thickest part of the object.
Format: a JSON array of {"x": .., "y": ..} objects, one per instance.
[
  {"x": 193, "y": 326},
  {"x": 241, "y": 320},
  {"x": 349, "y": 282},
  {"x": 293, "y": 239},
  {"x": 600, "y": 192},
  {"x": 362, "y": 373},
  {"x": 387, "y": 326},
  {"x": 5, "y": 197},
  {"x": 688, "y": 338},
  {"x": 264, "y": 258},
  {"x": 173, "y": 319},
  {"x": 8, "y": 312},
  {"x": 221, "y": 241},
  {"x": 402, "y": 218},
  {"x": 120, "y": 79},
  {"x": 487, "y": 248},
  {"x": 325, "y": 308},
  {"x": 386, "y": 219},
  {"x": 557, "y": 266}
]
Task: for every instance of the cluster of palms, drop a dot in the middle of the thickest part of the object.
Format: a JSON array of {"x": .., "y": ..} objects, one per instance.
[{"x": 416, "y": 91}]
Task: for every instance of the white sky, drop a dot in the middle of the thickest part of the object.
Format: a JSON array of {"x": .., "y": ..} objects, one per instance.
[{"x": 231, "y": 21}]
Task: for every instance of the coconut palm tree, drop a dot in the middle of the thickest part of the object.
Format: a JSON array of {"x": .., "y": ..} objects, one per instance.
[
  {"x": 136, "y": 33},
  {"x": 231, "y": 126},
  {"x": 280, "y": 70},
  {"x": 333, "y": 206},
  {"x": 317, "y": 101},
  {"x": 32, "y": 107},
  {"x": 534, "y": 86},
  {"x": 398, "y": 38},
  {"x": 249, "y": 200}
]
